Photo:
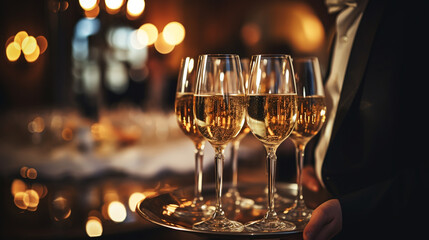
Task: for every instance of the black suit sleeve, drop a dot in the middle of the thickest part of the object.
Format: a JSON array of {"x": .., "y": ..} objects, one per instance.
[{"x": 377, "y": 164}]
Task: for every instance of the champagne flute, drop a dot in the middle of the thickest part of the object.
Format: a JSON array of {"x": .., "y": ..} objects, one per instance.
[
  {"x": 271, "y": 115},
  {"x": 184, "y": 109},
  {"x": 219, "y": 115},
  {"x": 311, "y": 116},
  {"x": 233, "y": 191}
]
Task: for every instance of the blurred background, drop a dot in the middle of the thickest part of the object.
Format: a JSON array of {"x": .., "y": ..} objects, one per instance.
[{"x": 87, "y": 93}]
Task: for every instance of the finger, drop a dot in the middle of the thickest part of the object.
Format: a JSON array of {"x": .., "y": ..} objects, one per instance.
[
  {"x": 328, "y": 231},
  {"x": 325, "y": 221},
  {"x": 315, "y": 225}
]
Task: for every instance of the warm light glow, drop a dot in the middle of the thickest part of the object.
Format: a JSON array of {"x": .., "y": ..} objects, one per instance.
[
  {"x": 60, "y": 208},
  {"x": 162, "y": 46},
  {"x": 58, "y": 6},
  {"x": 21, "y": 200},
  {"x": 117, "y": 211},
  {"x": 93, "y": 13},
  {"x": 88, "y": 5},
  {"x": 31, "y": 173},
  {"x": 42, "y": 43},
  {"x": 20, "y": 36},
  {"x": 37, "y": 125},
  {"x": 13, "y": 51},
  {"x": 114, "y": 4},
  {"x": 41, "y": 189},
  {"x": 135, "y": 7},
  {"x": 151, "y": 32},
  {"x": 173, "y": 33},
  {"x": 23, "y": 171},
  {"x": 134, "y": 199},
  {"x": 304, "y": 31},
  {"x": 29, "y": 45},
  {"x": 169, "y": 209},
  {"x": 139, "y": 39},
  {"x": 67, "y": 134},
  {"x": 94, "y": 228},
  {"x": 33, "y": 198},
  {"x": 251, "y": 34},
  {"x": 32, "y": 57},
  {"x": 18, "y": 186},
  {"x": 102, "y": 130}
]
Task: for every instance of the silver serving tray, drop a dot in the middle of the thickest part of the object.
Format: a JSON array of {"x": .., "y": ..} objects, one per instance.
[{"x": 159, "y": 209}]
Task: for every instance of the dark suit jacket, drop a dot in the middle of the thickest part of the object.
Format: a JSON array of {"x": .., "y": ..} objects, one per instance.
[{"x": 373, "y": 164}]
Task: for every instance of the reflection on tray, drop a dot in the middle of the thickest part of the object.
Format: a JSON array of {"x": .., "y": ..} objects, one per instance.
[{"x": 161, "y": 209}]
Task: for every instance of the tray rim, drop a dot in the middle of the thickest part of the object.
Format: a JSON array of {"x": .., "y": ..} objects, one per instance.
[{"x": 177, "y": 227}]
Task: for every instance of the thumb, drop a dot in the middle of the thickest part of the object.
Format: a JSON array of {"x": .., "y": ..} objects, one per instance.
[{"x": 325, "y": 222}]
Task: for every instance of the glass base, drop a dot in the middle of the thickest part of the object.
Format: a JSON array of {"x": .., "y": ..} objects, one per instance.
[
  {"x": 219, "y": 224},
  {"x": 269, "y": 225},
  {"x": 239, "y": 201},
  {"x": 196, "y": 211},
  {"x": 297, "y": 214}
]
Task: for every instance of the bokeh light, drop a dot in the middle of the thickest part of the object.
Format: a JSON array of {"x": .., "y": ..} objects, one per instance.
[
  {"x": 67, "y": 134},
  {"x": 135, "y": 8},
  {"x": 60, "y": 208},
  {"x": 93, "y": 13},
  {"x": 42, "y": 43},
  {"x": 173, "y": 33},
  {"x": 30, "y": 46},
  {"x": 13, "y": 51},
  {"x": 117, "y": 211},
  {"x": 134, "y": 199},
  {"x": 151, "y": 32},
  {"x": 31, "y": 173},
  {"x": 93, "y": 227},
  {"x": 251, "y": 34},
  {"x": 139, "y": 39},
  {"x": 18, "y": 186},
  {"x": 33, "y": 199},
  {"x": 32, "y": 57},
  {"x": 113, "y": 4},
  {"x": 88, "y": 5},
  {"x": 21, "y": 200},
  {"x": 20, "y": 36},
  {"x": 162, "y": 46},
  {"x": 37, "y": 125}
]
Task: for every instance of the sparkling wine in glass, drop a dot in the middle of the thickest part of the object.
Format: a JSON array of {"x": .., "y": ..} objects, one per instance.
[
  {"x": 311, "y": 116},
  {"x": 271, "y": 116},
  {"x": 219, "y": 115},
  {"x": 233, "y": 192},
  {"x": 184, "y": 109}
]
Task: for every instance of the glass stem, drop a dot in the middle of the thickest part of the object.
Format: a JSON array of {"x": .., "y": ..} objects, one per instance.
[
  {"x": 234, "y": 163},
  {"x": 199, "y": 155},
  {"x": 271, "y": 169},
  {"x": 299, "y": 165},
  {"x": 219, "y": 161}
]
